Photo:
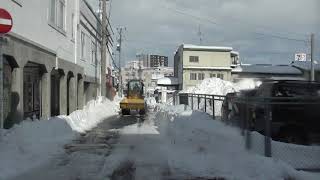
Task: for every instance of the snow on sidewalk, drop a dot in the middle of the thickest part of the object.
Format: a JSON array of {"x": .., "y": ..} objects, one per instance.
[
  {"x": 32, "y": 143},
  {"x": 184, "y": 144}
]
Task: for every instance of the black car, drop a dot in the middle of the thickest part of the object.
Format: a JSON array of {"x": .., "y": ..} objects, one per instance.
[{"x": 294, "y": 108}]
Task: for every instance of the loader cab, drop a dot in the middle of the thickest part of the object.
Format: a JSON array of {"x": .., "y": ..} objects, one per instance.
[
  {"x": 134, "y": 99},
  {"x": 135, "y": 89}
]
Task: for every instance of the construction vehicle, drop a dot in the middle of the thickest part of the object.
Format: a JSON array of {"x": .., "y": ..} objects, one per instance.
[{"x": 134, "y": 99}]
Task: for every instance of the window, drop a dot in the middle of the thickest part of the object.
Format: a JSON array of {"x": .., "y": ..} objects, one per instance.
[
  {"x": 194, "y": 59},
  {"x": 53, "y": 11},
  {"x": 61, "y": 8},
  {"x": 201, "y": 76},
  {"x": 57, "y": 14},
  {"x": 193, "y": 76},
  {"x": 220, "y": 76},
  {"x": 93, "y": 52},
  {"x": 72, "y": 26},
  {"x": 83, "y": 45},
  {"x": 212, "y": 75}
]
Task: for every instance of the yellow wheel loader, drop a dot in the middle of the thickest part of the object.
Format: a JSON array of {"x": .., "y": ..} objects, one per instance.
[{"x": 134, "y": 99}]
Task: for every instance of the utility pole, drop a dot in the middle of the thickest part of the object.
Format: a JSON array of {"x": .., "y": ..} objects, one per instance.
[
  {"x": 1, "y": 84},
  {"x": 119, "y": 46},
  {"x": 312, "y": 58},
  {"x": 103, "y": 48}
]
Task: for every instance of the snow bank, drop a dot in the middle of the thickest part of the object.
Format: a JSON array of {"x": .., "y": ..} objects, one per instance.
[
  {"x": 201, "y": 147},
  {"x": 32, "y": 143},
  {"x": 177, "y": 143},
  {"x": 92, "y": 114},
  {"x": 216, "y": 86},
  {"x": 151, "y": 102},
  {"x": 298, "y": 156}
]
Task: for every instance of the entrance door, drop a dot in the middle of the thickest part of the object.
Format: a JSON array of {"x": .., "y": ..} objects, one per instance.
[
  {"x": 31, "y": 90},
  {"x": 55, "y": 93}
]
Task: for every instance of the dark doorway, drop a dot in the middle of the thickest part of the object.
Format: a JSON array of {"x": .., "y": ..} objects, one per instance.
[
  {"x": 55, "y": 93},
  {"x": 70, "y": 90},
  {"x": 31, "y": 90}
]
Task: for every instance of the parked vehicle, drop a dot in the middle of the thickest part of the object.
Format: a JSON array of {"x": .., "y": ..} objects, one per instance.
[{"x": 294, "y": 110}]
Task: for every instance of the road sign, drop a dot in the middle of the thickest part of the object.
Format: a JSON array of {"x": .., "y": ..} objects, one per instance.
[
  {"x": 5, "y": 21},
  {"x": 300, "y": 57}
]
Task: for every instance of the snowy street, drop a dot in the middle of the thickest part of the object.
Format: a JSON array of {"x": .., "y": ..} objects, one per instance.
[
  {"x": 85, "y": 156},
  {"x": 169, "y": 142},
  {"x": 172, "y": 143}
]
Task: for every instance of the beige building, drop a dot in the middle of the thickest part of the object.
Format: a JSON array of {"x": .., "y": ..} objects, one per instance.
[{"x": 194, "y": 63}]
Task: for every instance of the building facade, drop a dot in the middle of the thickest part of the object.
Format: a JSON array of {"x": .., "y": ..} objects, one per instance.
[
  {"x": 194, "y": 63},
  {"x": 51, "y": 57}
]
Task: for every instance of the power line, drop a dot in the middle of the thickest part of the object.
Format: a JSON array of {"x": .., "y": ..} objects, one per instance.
[
  {"x": 216, "y": 23},
  {"x": 281, "y": 37}
]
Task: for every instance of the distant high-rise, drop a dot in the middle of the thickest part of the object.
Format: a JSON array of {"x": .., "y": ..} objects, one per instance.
[
  {"x": 153, "y": 60},
  {"x": 158, "y": 61}
]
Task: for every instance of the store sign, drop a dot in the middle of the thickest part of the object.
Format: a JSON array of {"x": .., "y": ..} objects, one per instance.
[{"x": 300, "y": 57}]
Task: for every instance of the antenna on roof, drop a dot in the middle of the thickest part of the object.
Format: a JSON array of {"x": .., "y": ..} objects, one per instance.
[{"x": 200, "y": 35}]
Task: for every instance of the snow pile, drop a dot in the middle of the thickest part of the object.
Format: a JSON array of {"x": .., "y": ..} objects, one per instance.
[
  {"x": 151, "y": 102},
  {"x": 298, "y": 156},
  {"x": 245, "y": 84},
  {"x": 184, "y": 144},
  {"x": 33, "y": 143},
  {"x": 216, "y": 86},
  {"x": 92, "y": 114}
]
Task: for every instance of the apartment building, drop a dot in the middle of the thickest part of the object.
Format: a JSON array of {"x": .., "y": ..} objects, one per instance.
[
  {"x": 51, "y": 58},
  {"x": 194, "y": 63},
  {"x": 153, "y": 61}
]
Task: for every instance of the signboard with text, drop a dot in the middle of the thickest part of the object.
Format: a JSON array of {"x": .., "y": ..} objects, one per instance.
[{"x": 300, "y": 57}]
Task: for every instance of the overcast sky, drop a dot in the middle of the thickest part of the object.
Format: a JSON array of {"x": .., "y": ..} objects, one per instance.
[{"x": 263, "y": 31}]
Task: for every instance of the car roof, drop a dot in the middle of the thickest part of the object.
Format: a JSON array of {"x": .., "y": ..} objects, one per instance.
[{"x": 290, "y": 82}]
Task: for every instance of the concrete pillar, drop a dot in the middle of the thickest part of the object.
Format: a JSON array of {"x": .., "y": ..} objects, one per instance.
[
  {"x": 45, "y": 95},
  {"x": 17, "y": 95},
  {"x": 72, "y": 94},
  {"x": 164, "y": 95},
  {"x": 63, "y": 95},
  {"x": 80, "y": 94}
]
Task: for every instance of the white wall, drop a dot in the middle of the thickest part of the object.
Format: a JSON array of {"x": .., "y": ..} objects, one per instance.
[{"x": 31, "y": 20}]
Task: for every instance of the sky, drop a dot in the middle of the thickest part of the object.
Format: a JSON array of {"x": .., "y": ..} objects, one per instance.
[{"x": 263, "y": 31}]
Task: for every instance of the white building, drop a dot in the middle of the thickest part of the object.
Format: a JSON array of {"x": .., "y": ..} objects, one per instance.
[
  {"x": 148, "y": 75},
  {"x": 51, "y": 58}
]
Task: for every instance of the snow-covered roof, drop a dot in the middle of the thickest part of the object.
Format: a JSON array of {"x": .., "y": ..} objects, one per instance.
[
  {"x": 305, "y": 65},
  {"x": 168, "y": 81},
  {"x": 211, "y": 48},
  {"x": 207, "y": 67},
  {"x": 234, "y": 53},
  {"x": 267, "y": 69}
]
